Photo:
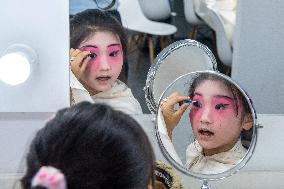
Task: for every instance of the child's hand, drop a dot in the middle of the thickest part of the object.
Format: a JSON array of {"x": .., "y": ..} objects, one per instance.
[
  {"x": 78, "y": 62},
  {"x": 172, "y": 116}
]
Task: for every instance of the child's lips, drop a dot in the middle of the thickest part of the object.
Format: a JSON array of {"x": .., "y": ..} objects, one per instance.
[
  {"x": 103, "y": 78},
  {"x": 205, "y": 132}
]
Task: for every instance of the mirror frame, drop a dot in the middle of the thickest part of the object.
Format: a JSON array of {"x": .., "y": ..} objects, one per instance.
[
  {"x": 148, "y": 89},
  {"x": 224, "y": 174}
]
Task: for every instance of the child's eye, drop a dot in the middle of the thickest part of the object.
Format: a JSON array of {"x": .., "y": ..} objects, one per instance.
[
  {"x": 93, "y": 55},
  {"x": 196, "y": 104},
  {"x": 114, "y": 53},
  {"x": 220, "y": 106}
]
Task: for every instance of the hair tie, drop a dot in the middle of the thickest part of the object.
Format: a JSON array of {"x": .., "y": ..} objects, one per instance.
[{"x": 50, "y": 178}]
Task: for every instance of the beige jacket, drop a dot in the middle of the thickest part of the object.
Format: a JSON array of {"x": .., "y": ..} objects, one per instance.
[
  {"x": 119, "y": 96},
  {"x": 217, "y": 163}
]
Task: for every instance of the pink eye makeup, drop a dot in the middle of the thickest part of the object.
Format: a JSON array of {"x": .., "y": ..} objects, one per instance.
[
  {"x": 92, "y": 55},
  {"x": 197, "y": 105},
  {"x": 111, "y": 55},
  {"x": 197, "y": 101},
  {"x": 115, "y": 54},
  {"x": 222, "y": 103},
  {"x": 221, "y": 106},
  {"x": 93, "y": 51},
  {"x": 226, "y": 105},
  {"x": 114, "y": 50},
  {"x": 218, "y": 106}
]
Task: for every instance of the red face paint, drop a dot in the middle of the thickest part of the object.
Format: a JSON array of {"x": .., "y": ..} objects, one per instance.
[
  {"x": 223, "y": 107},
  {"x": 220, "y": 107},
  {"x": 215, "y": 122},
  {"x": 94, "y": 53},
  {"x": 114, "y": 54},
  {"x": 196, "y": 109},
  {"x": 104, "y": 61}
]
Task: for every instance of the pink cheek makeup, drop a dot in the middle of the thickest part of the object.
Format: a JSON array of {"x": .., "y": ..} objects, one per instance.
[
  {"x": 94, "y": 62},
  {"x": 196, "y": 112},
  {"x": 114, "y": 55},
  {"x": 227, "y": 112},
  {"x": 215, "y": 113}
]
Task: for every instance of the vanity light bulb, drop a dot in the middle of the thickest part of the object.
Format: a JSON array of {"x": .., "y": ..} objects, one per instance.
[{"x": 15, "y": 68}]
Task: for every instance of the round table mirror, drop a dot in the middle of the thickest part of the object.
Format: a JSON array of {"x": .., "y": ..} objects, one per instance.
[
  {"x": 206, "y": 125},
  {"x": 175, "y": 60}
]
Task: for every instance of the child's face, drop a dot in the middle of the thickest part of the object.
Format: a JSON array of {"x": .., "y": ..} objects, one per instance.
[
  {"x": 107, "y": 58},
  {"x": 216, "y": 124}
]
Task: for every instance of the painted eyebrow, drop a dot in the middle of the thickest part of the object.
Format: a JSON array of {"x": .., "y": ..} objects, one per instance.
[
  {"x": 216, "y": 96},
  {"x": 197, "y": 94},
  {"x": 112, "y": 45},
  {"x": 94, "y": 46},
  {"x": 223, "y": 96}
]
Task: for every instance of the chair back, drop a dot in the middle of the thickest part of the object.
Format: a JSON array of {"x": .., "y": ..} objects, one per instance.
[
  {"x": 133, "y": 18},
  {"x": 155, "y": 10},
  {"x": 189, "y": 13},
  {"x": 258, "y": 56},
  {"x": 224, "y": 48},
  {"x": 130, "y": 13}
]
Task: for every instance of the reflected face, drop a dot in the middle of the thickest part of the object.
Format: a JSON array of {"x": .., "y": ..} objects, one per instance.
[
  {"x": 106, "y": 60},
  {"x": 215, "y": 117}
]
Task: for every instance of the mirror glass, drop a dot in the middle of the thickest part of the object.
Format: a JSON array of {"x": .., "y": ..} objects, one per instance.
[
  {"x": 206, "y": 125},
  {"x": 175, "y": 60}
]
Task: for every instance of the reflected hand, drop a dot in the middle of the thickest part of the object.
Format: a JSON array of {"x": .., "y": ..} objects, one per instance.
[
  {"x": 78, "y": 62},
  {"x": 172, "y": 116}
]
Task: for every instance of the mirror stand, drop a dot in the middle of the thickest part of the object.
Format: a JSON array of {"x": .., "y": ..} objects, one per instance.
[
  {"x": 205, "y": 185},
  {"x": 179, "y": 87}
]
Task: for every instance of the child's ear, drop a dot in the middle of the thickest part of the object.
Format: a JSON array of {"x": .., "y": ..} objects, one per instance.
[
  {"x": 248, "y": 122},
  {"x": 150, "y": 186}
]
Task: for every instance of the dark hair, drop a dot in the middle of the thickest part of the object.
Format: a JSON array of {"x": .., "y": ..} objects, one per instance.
[
  {"x": 86, "y": 23},
  {"x": 94, "y": 146},
  {"x": 237, "y": 95}
]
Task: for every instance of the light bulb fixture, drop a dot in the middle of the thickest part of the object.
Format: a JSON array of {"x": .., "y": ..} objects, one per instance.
[{"x": 17, "y": 63}]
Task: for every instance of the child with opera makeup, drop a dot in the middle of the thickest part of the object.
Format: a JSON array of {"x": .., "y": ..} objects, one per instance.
[
  {"x": 218, "y": 116},
  {"x": 90, "y": 146},
  {"x": 98, "y": 47}
]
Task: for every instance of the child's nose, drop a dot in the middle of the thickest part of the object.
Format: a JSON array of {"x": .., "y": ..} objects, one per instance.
[
  {"x": 206, "y": 116},
  {"x": 104, "y": 64}
]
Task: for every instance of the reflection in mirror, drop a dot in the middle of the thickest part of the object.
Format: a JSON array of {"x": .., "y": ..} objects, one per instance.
[
  {"x": 206, "y": 123},
  {"x": 175, "y": 60},
  {"x": 97, "y": 54}
]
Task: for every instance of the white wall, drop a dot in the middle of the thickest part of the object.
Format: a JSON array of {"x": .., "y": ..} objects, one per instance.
[
  {"x": 43, "y": 26},
  {"x": 258, "y": 53},
  {"x": 16, "y": 133}
]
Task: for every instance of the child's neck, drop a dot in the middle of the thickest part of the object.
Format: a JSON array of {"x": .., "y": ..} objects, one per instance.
[
  {"x": 225, "y": 148},
  {"x": 90, "y": 90}
]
